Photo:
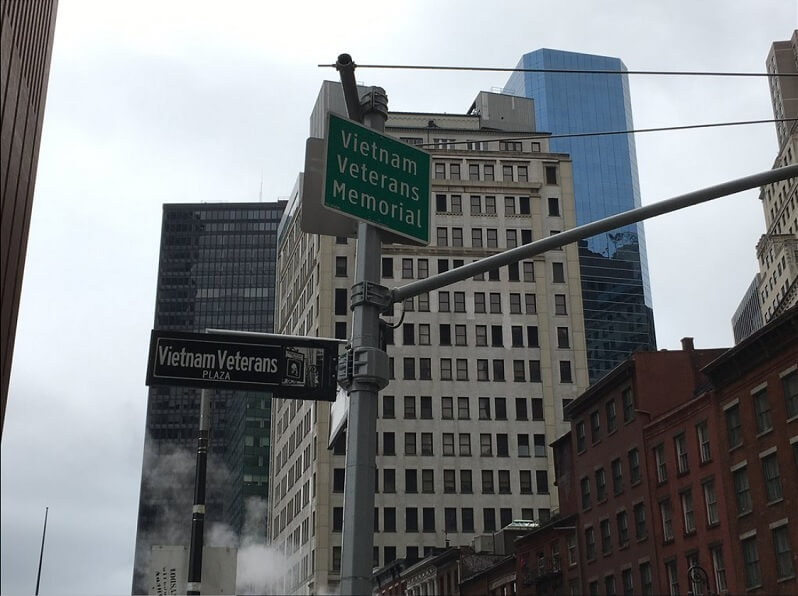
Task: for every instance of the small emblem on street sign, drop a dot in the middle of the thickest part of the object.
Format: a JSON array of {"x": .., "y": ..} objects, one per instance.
[
  {"x": 301, "y": 368},
  {"x": 377, "y": 179}
]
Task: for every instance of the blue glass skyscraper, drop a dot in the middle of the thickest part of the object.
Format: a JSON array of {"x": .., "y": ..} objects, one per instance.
[{"x": 615, "y": 286}]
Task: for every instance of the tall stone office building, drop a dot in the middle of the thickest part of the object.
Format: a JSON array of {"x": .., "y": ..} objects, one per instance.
[
  {"x": 26, "y": 45},
  {"x": 616, "y": 291},
  {"x": 480, "y": 370},
  {"x": 777, "y": 249},
  {"x": 216, "y": 270}
]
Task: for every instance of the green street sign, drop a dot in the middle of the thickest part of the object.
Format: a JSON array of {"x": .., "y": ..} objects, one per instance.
[{"x": 377, "y": 179}]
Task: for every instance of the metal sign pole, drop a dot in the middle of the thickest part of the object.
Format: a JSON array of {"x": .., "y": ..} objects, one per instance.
[
  {"x": 194, "y": 584},
  {"x": 368, "y": 366}
]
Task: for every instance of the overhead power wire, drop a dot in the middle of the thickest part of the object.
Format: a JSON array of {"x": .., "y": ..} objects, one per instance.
[
  {"x": 681, "y": 73},
  {"x": 613, "y": 132}
]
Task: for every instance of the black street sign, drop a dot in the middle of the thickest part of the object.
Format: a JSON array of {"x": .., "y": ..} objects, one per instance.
[{"x": 288, "y": 366}]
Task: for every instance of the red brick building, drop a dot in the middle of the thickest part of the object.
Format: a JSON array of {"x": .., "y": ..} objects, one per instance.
[
  {"x": 617, "y": 543},
  {"x": 688, "y": 499},
  {"x": 756, "y": 401},
  {"x": 547, "y": 559}
]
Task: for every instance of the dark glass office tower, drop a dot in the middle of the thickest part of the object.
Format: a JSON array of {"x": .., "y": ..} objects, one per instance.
[
  {"x": 216, "y": 271},
  {"x": 615, "y": 285}
]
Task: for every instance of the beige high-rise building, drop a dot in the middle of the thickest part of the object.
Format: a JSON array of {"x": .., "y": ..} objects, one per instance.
[
  {"x": 777, "y": 249},
  {"x": 480, "y": 370},
  {"x": 775, "y": 289}
]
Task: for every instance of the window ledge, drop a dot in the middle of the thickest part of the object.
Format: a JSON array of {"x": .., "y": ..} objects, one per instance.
[
  {"x": 786, "y": 579},
  {"x": 752, "y": 588},
  {"x": 792, "y": 418},
  {"x": 764, "y": 433},
  {"x": 775, "y": 501}
]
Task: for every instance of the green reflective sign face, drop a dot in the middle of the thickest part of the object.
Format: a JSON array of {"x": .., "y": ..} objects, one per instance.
[{"x": 377, "y": 179}]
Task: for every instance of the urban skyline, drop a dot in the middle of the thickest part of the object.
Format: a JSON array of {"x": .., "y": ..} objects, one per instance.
[{"x": 131, "y": 128}]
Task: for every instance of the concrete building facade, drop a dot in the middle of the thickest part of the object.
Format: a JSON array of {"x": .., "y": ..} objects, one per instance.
[
  {"x": 480, "y": 370},
  {"x": 26, "y": 47},
  {"x": 777, "y": 248}
]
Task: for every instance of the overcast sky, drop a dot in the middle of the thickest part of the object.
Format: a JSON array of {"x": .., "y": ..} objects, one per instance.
[{"x": 159, "y": 101}]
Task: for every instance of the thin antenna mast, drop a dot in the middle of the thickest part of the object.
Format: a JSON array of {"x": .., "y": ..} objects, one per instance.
[{"x": 41, "y": 553}]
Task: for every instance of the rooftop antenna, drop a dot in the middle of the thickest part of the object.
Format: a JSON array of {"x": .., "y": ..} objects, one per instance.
[
  {"x": 260, "y": 193},
  {"x": 41, "y": 553}
]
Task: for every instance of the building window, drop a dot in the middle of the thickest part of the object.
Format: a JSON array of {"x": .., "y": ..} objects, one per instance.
[
  {"x": 498, "y": 370},
  {"x": 628, "y": 405},
  {"x": 448, "y": 443},
  {"x": 634, "y": 466},
  {"x": 388, "y": 444},
  {"x": 609, "y": 585},
  {"x": 540, "y": 445},
  {"x": 462, "y": 408},
  {"x": 410, "y": 443},
  {"x": 666, "y": 514},
  {"x": 446, "y": 369},
  {"x": 617, "y": 476},
  {"x": 595, "y": 426},
  {"x": 742, "y": 491},
  {"x": 563, "y": 340},
  {"x": 559, "y": 305},
  {"x": 388, "y": 410},
  {"x": 534, "y": 371},
  {"x": 606, "y": 536},
  {"x": 422, "y": 267},
  {"x": 460, "y": 335},
  {"x": 428, "y": 481},
  {"x": 523, "y": 445},
  {"x": 407, "y": 268},
  {"x": 336, "y": 558},
  {"x": 764, "y": 422},
  {"x": 659, "y": 459},
  {"x": 482, "y": 370},
  {"x": 558, "y": 273},
  {"x": 770, "y": 469},
  {"x": 611, "y": 416},
  {"x": 580, "y": 436},
  {"x": 590, "y": 543},
  {"x": 447, "y": 408},
  {"x": 484, "y": 408},
  {"x": 426, "y": 444},
  {"x": 489, "y": 520},
  {"x": 640, "y": 521},
  {"x": 504, "y": 482},
  {"x": 449, "y": 485},
  {"x": 565, "y": 372},
  {"x": 751, "y": 570},
  {"x": 734, "y": 427},
  {"x": 410, "y": 407},
  {"x": 554, "y": 206},
  {"x": 467, "y": 517},
  {"x": 680, "y": 445},
  {"x": 705, "y": 452},
  {"x": 423, "y": 301},
  {"x": 646, "y": 582},
  {"x": 601, "y": 485},
  {"x": 585, "y": 487},
  {"x": 409, "y": 368},
  {"x": 783, "y": 551},
  {"x": 485, "y": 445},
  {"x": 711, "y": 502},
  {"x": 718, "y": 569},
  {"x": 387, "y": 267},
  {"x": 530, "y": 304},
  {"x": 622, "y": 521},
  {"x": 542, "y": 480},
  {"x": 465, "y": 443},
  {"x": 411, "y": 477},
  {"x": 550, "y": 174},
  {"x": 688, "y": 515},
  {"x": 790, "y": 385}
]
